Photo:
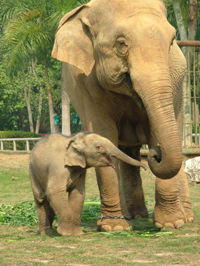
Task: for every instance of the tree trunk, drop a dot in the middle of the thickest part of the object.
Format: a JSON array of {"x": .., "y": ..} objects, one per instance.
[
  {"x": 179, "y": 19},
  {"x": 192, "y": 26},
  {"x": 50, "y": 101},
  {"x": 37, "y": 128},
  {"x": 40, "y": 99},
  {"x": 65, "y": 108},
  {"x": 27, "y": 94}
]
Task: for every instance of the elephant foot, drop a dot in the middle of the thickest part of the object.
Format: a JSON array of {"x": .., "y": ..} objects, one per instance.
[
  {"x": 108, "y": 224},
  {"x": 67, "y": 232},
  {"x": 47, "y": 230},
  {"x": 169, "y": 217},
  {"x": 64, "y": 231},
  {"x": 138, "y": 212},
  {"x": 77, "y": 231},
  {"x": 189, "y": 215}
]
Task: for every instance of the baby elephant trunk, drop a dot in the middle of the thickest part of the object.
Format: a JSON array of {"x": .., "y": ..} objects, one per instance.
[{"x": 116, "y": 153}]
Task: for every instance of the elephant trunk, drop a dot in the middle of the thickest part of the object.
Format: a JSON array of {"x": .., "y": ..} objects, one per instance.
[
  {"x": 165, "y": 155},
  {"x": 116, "y": 153}
]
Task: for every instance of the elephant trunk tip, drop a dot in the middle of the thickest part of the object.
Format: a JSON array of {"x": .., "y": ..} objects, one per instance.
[
  {"x": 143, "y": 166},
  {"x": 162, "y": 166}
]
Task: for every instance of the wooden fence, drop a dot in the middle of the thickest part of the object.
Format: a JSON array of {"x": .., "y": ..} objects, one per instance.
[{"x": 14, "y": 142}]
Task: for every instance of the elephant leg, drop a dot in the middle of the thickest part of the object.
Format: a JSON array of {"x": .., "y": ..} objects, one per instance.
[
  {"x": 112, "y": 218},
  {"x": 132, "y": 186},
  {"x": 185, "y": 195},
  {"x": 76, "y": 200},
  {"x": 168, "y": 211},
  {"x": 58, "y": 201},
  {"x": 45, "y": 216}
]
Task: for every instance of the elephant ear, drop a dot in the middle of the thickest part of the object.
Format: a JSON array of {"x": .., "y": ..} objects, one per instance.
[
  {"x": 73, "y": 156},
  {"x": 72, "y": 44}
]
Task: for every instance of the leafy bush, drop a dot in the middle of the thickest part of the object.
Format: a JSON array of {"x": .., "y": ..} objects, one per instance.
[
  {"x": 91, "y": 211},
  {"x": 20, "y": 214},
  {"x": 20, "y": 145},
  {"x": 18, "y": 134},
  {"x": 24, "y": 213}
]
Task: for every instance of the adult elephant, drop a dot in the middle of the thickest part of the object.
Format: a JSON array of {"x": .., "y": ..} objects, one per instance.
[{"x": 123, "y": 72}]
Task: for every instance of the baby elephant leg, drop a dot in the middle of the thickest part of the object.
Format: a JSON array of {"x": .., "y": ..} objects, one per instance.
[
  {"x": 76, "y": 200},
  {"x": 57, "y": 200},
  {"x": 45, "y": 216}
]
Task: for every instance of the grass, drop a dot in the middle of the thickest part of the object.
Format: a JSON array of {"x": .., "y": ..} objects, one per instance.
[{"x": 20, "y": 243}]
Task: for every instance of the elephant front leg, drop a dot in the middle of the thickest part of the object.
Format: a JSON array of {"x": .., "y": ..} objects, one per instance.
[
  {"x": 173, "y": 207},
  {"x": 112, "y": 216}
]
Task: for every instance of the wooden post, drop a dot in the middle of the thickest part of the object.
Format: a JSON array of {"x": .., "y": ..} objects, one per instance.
[
  {"x": 27, "y": 145},
  {"x": 14, "y": 145},
  {"x": 1, "y": 145}
]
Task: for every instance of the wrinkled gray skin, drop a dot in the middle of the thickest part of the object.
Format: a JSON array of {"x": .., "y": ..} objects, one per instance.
[
  {"x": 58, "y": 165},
  {"x": 123, "y": 72}
]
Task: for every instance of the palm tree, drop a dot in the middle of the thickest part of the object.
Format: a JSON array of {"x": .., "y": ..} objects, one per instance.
[{"x": 29, "y": 29}]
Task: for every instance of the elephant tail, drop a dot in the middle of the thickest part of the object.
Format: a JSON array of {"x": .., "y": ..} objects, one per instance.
[{"x": 38, "y": 193}]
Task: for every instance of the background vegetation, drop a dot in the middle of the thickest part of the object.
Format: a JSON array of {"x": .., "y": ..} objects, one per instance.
[{"x": 30, "y": 80}]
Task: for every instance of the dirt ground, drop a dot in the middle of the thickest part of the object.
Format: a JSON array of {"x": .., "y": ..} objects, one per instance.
[{"x": 14, "y": 160}]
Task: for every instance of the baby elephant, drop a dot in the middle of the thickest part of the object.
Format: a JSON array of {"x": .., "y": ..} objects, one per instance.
[{"x": 58, "y": 165}]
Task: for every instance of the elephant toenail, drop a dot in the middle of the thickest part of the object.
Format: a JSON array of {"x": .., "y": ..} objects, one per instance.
[
  {"x": 118, "y": 228},
  {"x": 179, "y": 223},
  {"x": 106, "y": 228},
  {"x": 158, "y": 225},
  {"x": 190, "y": 219},
  {"x": 169, "y": 225}
]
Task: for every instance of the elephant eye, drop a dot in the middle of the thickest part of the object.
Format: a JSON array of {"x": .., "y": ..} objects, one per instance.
[
  {"x": 121, "y": 47},
  {"x": 98, "y": 147}
]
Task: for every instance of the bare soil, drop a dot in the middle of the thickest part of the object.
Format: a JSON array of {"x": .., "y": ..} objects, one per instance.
[{"x": 14, "y": 160}]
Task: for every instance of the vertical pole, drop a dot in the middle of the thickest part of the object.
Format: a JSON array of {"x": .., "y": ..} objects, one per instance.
[
  {"x": 27, "y": 145},
  {"x": 14, "y": 145},
  {"x": 1, "y": 145}
]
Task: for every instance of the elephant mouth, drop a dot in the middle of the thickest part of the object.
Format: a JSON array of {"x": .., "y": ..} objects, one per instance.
[{"x": 110, "y": 161}]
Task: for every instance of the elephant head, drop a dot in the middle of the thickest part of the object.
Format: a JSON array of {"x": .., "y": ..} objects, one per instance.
[
  {"x": 87, "y": 149},
  {"x": 131, "y": 48}
]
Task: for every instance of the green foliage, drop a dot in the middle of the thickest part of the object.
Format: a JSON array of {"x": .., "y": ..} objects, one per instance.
[
  {"x": 91, "y": 211},
  {"x": 28, "y": 29},
  {"x": 24, "y": 213},
  {"x": 18, "y": 134},
  {"x": 20, "y": 214}
]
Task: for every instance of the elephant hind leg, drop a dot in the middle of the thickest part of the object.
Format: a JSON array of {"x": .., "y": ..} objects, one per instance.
[
  {"x": 45, "y": 216},
  {"x": 185, "y": 195},
  {"x": 131, "y": 184},
  {"x": 173, "y": 205}
]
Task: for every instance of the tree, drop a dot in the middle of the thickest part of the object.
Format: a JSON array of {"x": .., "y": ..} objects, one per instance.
[
  {"x": 29, "y": 29},
  {"x": 192, "y": 24}
]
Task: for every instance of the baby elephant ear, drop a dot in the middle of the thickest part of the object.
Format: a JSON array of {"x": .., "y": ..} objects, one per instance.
[
  {"x": 73, "y": 157},
  {"x": 72, "y": 44}
]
